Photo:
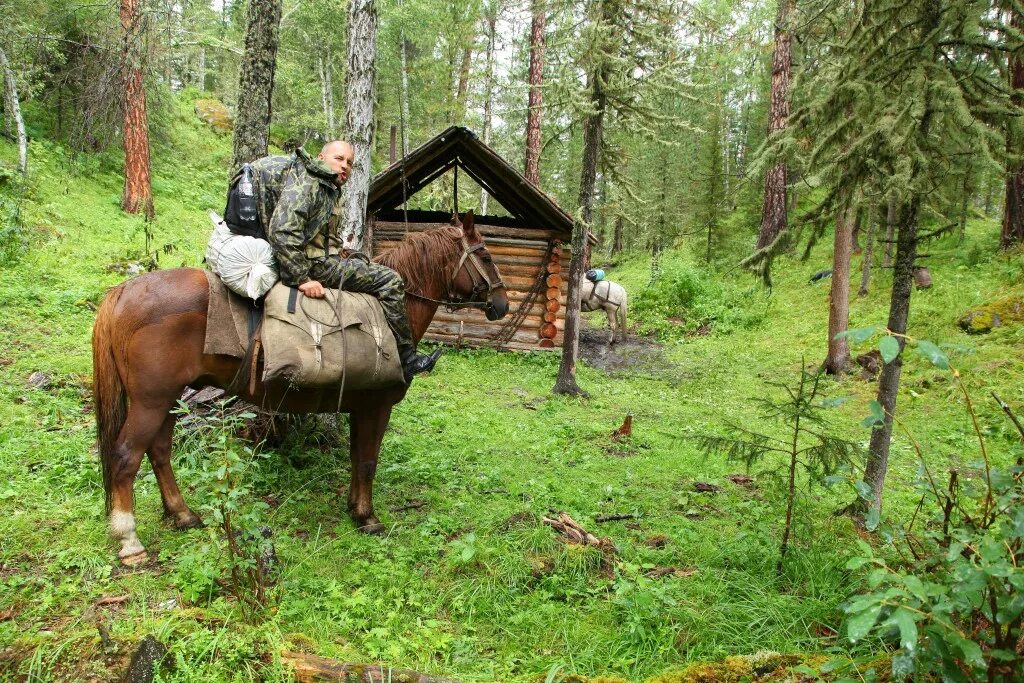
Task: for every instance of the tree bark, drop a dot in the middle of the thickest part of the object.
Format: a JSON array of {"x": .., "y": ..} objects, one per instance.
[
  {"x": 773, "y": 211},
  {"x": 138, "y": 193},
  {"x": 359, "y": 86},
  {"x": 617, "y": 236},
  {"x": 593, "y": 133},
  {"x": 492, "y": 22},
  {"x": 839, "y": 297},
  {"x": 463, "y": 88},
  {"x": 890, "y": 232},
  {"x": 965, "y": 201},
  {"x": 327, "y": 92},
  {"x": 536, "y": 98},
  {"x": 869, "y": 251},
  {"x": 1013, "y": 205},
  {"x": 14, "y": 112},
  {"x": 889, "y": 380},
  {"x": 256, "y": 81}
]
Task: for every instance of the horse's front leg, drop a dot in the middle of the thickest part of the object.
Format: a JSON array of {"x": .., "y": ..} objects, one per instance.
[
  {"x": 367, "y": 428},
  {"x": 610, "y": 312},
  {"x": 175, "y": 509}
]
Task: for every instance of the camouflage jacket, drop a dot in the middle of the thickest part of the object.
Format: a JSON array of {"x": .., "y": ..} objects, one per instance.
[{"x": 296, "y": 196}]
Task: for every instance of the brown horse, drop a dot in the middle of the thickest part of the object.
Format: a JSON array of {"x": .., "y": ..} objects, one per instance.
[{"x": 148, "y": 346}]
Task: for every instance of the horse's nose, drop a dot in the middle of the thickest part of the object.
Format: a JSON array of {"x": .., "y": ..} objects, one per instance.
[{"x": 497, "y": 307}]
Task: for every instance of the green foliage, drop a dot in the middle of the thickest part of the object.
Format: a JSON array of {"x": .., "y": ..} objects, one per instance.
[
  {"x": 949, "y": 586},
  {"x": 238, "y": 536},
  {"x": 683, "y": 297},
  {"x": 13, "y": 241},
  {"x": 808, "y": 443}
]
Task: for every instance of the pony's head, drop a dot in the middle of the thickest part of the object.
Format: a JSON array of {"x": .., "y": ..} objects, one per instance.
[{"x": 475, "y": 278}]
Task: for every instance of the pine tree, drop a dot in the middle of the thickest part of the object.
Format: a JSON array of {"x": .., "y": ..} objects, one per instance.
[
  {"x": 533, "y": 116},
  {"x": 899, "y": 93},
  {"x": 138, "y": 193},
  {"x": 256, "y": 81},
  {"x": 773, "y": 212},
  {"x": 359, "y": 120}
]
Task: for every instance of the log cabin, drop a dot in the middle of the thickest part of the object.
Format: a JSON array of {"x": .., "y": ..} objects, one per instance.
[{"x": 531, "y": 245}]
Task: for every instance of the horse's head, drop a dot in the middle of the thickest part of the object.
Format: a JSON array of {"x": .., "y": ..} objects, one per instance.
[{"x": 475, "y": 278}]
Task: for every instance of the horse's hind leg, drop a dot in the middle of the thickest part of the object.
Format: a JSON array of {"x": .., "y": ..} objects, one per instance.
[
  {"x": 610, "y": 312},
  {"x": 138, "y": 432},
  {"x": 367, "y": 428},
  {"x": 159, "y": 452}
]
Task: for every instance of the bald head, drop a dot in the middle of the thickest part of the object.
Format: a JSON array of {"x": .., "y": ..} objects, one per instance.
[{"x": 338, "y": 155}]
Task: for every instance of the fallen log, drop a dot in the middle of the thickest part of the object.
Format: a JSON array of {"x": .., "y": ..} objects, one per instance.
[{"x": 308, "y": 668}]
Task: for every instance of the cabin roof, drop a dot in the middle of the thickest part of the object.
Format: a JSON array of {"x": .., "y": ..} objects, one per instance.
[{"x": 459, "y": 146}]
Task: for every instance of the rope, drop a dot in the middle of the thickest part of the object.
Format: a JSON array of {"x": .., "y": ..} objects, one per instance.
[{"x": 512, "y": 324}]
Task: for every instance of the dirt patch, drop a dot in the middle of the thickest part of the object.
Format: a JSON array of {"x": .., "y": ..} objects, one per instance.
[{"x": 630, "y": 356}]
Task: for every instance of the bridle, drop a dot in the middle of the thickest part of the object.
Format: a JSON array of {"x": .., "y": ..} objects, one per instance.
[{"x": 483, "y": 284}]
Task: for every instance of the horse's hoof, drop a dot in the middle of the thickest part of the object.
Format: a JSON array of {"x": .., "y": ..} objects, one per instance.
[
  {"x": 135, "y": 560},
  {"x": 372, "y": 529},
  {"x": 188, "y": 520}
]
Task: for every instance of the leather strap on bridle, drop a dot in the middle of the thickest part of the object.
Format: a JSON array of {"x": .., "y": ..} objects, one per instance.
[{"x": 477, "y": 274}]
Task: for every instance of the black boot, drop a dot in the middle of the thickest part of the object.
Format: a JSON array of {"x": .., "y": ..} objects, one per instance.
[{"x": 414, "y": 363}]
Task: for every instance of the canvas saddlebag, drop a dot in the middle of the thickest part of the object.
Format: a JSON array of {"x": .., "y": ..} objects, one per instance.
[{"x": 310, "y": 342}]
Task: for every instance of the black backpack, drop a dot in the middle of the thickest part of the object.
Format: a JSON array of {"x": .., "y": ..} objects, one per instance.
[{"x": 241, "y": 214}]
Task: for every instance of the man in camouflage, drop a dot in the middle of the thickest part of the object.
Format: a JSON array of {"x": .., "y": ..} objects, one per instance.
[{"x": 299, "y": 201}]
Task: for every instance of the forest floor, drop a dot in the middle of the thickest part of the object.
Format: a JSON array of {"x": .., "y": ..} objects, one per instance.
[{"x": 467, "y": 581}]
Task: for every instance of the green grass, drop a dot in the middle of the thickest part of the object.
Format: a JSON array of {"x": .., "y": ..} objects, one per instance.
[{"x": 470, "y": 585}]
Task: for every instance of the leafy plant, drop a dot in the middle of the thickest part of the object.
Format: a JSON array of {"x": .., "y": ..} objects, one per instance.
[
  {"x": 239, "y": 531},
  {"x": 808, "y": 444},
  {"x": 955, "y": 595}
]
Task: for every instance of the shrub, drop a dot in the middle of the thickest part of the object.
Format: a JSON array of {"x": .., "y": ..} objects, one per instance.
[{"x": 682, "y": 297}]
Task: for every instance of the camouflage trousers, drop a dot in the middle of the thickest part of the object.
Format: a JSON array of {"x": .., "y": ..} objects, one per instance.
[{"x": 356, "y": 275}]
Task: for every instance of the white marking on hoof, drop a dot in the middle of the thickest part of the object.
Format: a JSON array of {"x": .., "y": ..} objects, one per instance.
[
  {"x": 122, "y": 527},
  {"x": 135, "y": 560}
]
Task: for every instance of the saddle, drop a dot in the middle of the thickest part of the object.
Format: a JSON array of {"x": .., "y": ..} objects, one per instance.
[{"x": 340, "y": 341}]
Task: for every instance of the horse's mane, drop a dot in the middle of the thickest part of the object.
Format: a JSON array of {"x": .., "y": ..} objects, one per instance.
[{"x": 420, "y": 258}]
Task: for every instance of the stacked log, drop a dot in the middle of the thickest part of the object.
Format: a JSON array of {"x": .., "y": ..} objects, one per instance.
[
  {"x": 553, "y": 323},
  {"x": 521, "y": 255}
]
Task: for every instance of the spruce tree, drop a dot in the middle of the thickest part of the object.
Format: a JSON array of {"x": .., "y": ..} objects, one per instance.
[{"x": 895, "y": 94}]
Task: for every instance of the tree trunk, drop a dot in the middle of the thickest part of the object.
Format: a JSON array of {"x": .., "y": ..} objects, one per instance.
[
  {"x": 965, "y": 201},
  {"x": 593, "y": 131},
  {"x": 138, "y": 194},
  {"x": 899, "y": 312},
  {"x": 492, "y": 22},
  {"x": 327, "y": 92},
  {"x": 869, "y": 251},
  {"x": 201, "y": 69},
  {"x": 617, "y": 236},
  {"x": 890, "y": 231},
  {"x": 1013, "y": 206},
  {"x": 773, "y": 211},
  {"x": 359, "y": 85},
  {"x": 14, "y": 112},
  {"x": 463, "y": 88},
  {"x": 855, "y": 234},
  {"x": 256, "y": 81},
  {"x": 889, "y": 381},
  {"x": 839, "y": 297},
  {"x": 536, "y": 98}
]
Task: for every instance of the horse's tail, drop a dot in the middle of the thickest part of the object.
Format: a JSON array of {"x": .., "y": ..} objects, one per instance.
[{"x": 109, "y": 398}]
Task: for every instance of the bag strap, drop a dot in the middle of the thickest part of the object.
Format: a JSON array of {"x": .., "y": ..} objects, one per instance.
[{"x": 293, "y": 296}]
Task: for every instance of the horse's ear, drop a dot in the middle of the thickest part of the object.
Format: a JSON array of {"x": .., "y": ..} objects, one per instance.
[
  {"x": 468, "y": 225},
  {"x": 455, "y": 220}
]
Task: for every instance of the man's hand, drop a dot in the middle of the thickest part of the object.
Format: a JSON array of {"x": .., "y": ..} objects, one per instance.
[{"x": 312, "y": 289}]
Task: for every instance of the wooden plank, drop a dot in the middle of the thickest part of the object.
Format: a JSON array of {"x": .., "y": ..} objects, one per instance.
[
  {"x": 513, "y": 345},
  {"x": 527, "y": 338}
]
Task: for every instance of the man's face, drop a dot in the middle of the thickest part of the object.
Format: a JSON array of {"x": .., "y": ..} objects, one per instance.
[{"x": 338, "y": 157}]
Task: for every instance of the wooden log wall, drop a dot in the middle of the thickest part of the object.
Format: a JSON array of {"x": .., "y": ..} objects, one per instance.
[{"x": 519, "y": 254}]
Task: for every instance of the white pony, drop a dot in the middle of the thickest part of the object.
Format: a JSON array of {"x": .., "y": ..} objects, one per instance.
[{"x": 607, "y": 296}]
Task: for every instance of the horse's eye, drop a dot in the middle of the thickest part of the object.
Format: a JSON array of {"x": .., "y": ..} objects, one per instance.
[{"x": 487, "y": 258}]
